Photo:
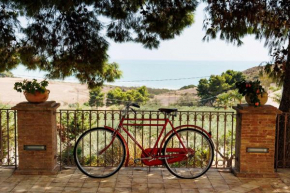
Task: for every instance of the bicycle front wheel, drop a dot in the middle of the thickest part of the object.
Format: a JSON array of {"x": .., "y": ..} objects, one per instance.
[
  {"x": 197, "y": 160},
  {"x": 87, "y": 153}
]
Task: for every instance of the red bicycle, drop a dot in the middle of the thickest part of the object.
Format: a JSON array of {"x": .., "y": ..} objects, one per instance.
[{"x": 187, "y": 150}]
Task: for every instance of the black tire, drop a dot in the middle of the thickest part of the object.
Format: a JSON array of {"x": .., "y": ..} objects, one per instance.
[
  {"x": 195, "y": 164},
  {"x": 86, "y": 153}
]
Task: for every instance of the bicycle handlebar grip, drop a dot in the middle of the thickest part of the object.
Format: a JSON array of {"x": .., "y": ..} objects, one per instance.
[{"x": 135, "y": 105}]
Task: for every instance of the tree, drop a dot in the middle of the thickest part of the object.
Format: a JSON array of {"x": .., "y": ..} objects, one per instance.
[
  {"x": 187, "y": 87},
  {"x": 208, "y": 90},
  {"x": 231, "y": 20},
  {"x": 67, "y": 37},
  {"x": 117, "y": 96},
  {"x": 228, "y": 98},
  {"x": 96, "y": 97}
]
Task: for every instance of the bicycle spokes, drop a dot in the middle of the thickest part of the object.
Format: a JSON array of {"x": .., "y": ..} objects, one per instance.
[{"x": 198, "y": 157}]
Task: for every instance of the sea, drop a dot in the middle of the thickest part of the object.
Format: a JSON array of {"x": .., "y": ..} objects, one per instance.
[{"x": 158, "y": 73}]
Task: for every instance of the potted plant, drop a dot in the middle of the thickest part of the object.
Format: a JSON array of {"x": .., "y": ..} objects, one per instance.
[
  {"x": 253, "y": 91},
  {"x": 34, "y": 91}
]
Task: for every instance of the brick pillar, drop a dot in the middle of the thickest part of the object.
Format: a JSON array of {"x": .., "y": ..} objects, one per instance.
[
  {"x": 37, "y": 127},
  {"x": 256, "y": 128}
]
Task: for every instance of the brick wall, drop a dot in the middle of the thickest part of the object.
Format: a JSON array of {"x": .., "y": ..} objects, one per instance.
[
  {"x": 37, "y": 126},
  {"x": 256, "y": 128}
]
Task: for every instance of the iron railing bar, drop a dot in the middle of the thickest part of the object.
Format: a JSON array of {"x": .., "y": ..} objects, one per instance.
[
  {"x": 232, "y": 138},
  {"x": 225, "y": 133},
  {"x": 1, "y": 140},
  {"x": 15, "y": 137},
  {"x": 277, "y": 140},
  {"x": 8, "y": 130},
  {"x": 284, "y": 149},
  {"x": 217, "y": 138},
  {"x": 60, "y": 139}
]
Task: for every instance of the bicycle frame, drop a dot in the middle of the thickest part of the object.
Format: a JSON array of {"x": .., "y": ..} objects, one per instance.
[{"x": 155, "y": 152}]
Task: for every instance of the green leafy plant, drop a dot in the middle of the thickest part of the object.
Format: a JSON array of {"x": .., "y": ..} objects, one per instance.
[
  {"x": 251, "y": 88},
  {"x": 31, "y": 86}
]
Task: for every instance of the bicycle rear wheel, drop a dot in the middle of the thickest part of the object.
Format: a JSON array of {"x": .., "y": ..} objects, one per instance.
[
  {"x": 88, "y": 147},
  {"x": 198, "y": 159}
]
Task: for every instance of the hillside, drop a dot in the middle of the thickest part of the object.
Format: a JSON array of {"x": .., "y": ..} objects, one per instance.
[{"x": 70, "y": 93}]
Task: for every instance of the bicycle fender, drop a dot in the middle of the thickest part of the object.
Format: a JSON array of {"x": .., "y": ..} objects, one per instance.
[{"x": 126, "y": 145}]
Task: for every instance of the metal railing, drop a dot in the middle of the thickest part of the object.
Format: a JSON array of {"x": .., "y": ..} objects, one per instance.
[
  {"x": 72, "y": 123},
  {"x": 8, "y": 137},
  {"x": 283, "y": 141}
]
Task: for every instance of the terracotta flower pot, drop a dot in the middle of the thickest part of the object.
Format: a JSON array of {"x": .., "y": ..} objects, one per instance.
[
  {"x": 262, "y": 97},
  {"x": 38, "y": 97}
]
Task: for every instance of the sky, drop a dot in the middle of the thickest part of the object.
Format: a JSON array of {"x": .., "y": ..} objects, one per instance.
[
  {"x": 186, "y": 47},
  {"x": 189, "y": 46}
]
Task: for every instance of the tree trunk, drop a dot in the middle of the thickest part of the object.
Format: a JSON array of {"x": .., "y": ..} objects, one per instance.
[{"x": 285, "y": 101}]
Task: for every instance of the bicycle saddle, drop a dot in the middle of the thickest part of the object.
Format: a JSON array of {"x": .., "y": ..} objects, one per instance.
[{"x": 167, "y": 110}]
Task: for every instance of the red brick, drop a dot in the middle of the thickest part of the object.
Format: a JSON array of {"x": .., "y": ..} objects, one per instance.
[
  {"x": 255, "y": 128},
  {"x": 37, "y": 126}
]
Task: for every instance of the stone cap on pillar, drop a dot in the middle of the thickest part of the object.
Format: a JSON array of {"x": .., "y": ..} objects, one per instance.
[
  {"x": 264, "y": 109},
  {"x": 45, "y": 106}
]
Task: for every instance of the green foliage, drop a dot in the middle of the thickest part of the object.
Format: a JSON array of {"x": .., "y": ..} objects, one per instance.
[
  {"x": 276, "y": 72},
  {"x": 251, "y": 88},
  {"x": 118, "y": 96},
  {"x": 228, "y": 99},
  {"x": 187, "y": 87},
  {"x": 269, "y": 20},
  {"x": 274, "y": 89},
  {"x": 96, "y": 97},
  {"x": 6, "y": 74},
  {"x": 277, "y": 98},
  {"x": 31, "y": 86},
  {"x": 67, "y": 38},
  {"x": 217, "y": 84}
]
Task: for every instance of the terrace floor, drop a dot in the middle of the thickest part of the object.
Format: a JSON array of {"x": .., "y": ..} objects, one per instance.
[{"x": 140, "y": 180}]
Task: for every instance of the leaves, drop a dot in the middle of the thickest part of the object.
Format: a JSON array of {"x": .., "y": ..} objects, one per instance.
[
  {"x": 31, "y": 86},
  {"x": 118, "y": 96},
  {"x": 208, "y": 90},
  {"x": 68, "y": 38}
]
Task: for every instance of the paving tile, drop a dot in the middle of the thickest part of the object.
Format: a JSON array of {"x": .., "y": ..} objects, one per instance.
[
  {"x": 140, "y": 186},
  {"x": 240, "y": 189},
  {"x": 140, "y": 180},
  {"x": 91, "y": 185},
  {"x": 188, "y": 186},
  {"x": 107, "y": 185},
  {"x": 71, "y": 189},
  {"x": 172, "y": 186},
  {"x": 89, "y": 189},
  {"x": 206, "y": 190},
  {"x": 123, "y": 185},
  {"x": 140, "y": 189},
  {"x": 204, "y": 186},
  {"x": 105, "y": 190},
  {"x": 123, "y": 190},
  {"x": 256, "y": 190},
  {"x": 74, "y": 184},
  {"x": 155, "y": 181},
  {"x": 156, "y": 190},
  {"x": 54, "y": 189},
  {"x": 189, "y": 191},
  {"x": 173, "y": 190},
  {"x": 155, "y": 185}
]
